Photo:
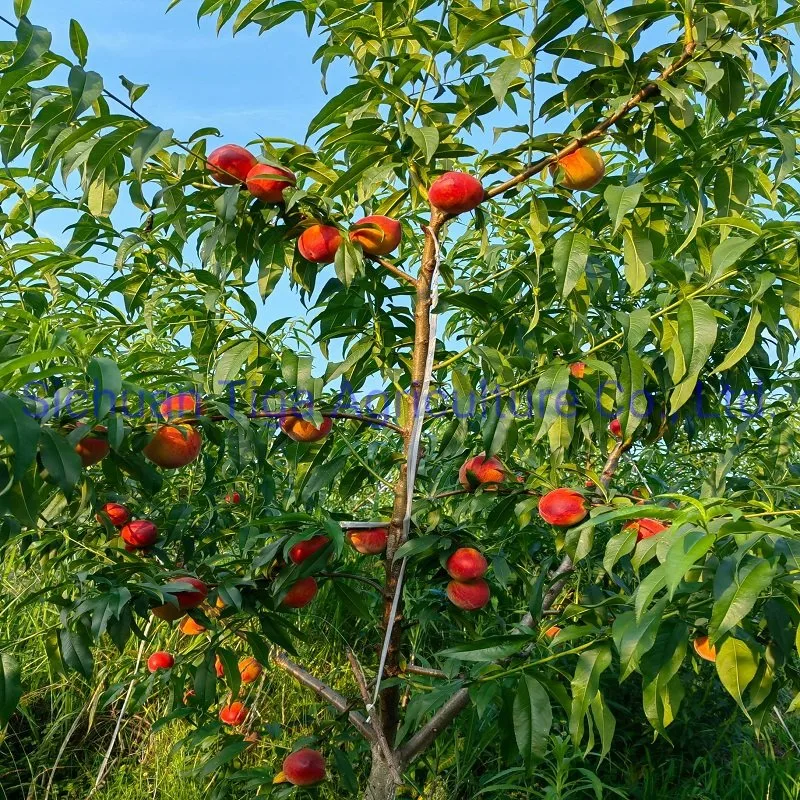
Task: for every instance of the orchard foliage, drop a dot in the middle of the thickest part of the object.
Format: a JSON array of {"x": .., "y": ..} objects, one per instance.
[{"x": 675, "y": 282}]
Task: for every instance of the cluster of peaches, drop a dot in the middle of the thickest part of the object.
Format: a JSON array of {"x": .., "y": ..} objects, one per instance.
[{"x": 452, "y": 193}]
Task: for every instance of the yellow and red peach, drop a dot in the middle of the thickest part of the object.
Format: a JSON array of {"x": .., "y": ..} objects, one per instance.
[
  {"x": 615, "y": 428},
  {"x": 704, "y": 649},
  {"x": 479, "y": 470},
  {"x": 234, "y": 498},
  {"x": 581, "y": 169},
  {"x": 116, "y": 513},
  {"x": 456, "y": 193},
  {"x": 183, "y": 404},
  {"x": 160, "y": 660},
  {"x": 304, "y": 430},
  {"x": 578, "y": 369},
  {"x": 305, "y": 767},
  {"x": 267, "y": 182},
  {"x": 466, "y": 564},
  {"x": 230, "y": 164},
  {"x": 468, "y": 595},
  {"x": 93, "y": 449},
  {"x": 378, "y": 236},
  {"x": 645, "y": 528},
  {"x": 190, "y": 627},
  {"x": 319, "y": 243},
  {"x": 140, "y": 533},
  {"x": 563, "y": 507},
  {"x": 174, "y": 446},
  {"x": 300, "y": 594},
  {"x": 552, "y": 632},
  {"x": 368, "y": 542},
  {"x": 233, "y": 714},
  {"x": 249, "y": 669},
  {"x": 301, "y": 551}
]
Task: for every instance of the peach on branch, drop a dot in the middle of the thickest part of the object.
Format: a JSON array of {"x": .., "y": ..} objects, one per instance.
[
  {"x": 704, "y": 649},
  {"x": 479, "y": 470},
  {"x": 304, "y": 767},
  {"x": 467, "y": 564},
  {"x": 300, "y": 594},
  {"x": 233, "y": 714},
  {"x": 116, "y": 513},
  {"x": 645, "y": 528},
  {"x": 582, "y": 169},
  {"x": 160, "y": 660},
  {"x": 183, "y": 404},
  {"x": 578, "y": 369},
  {"x": 563, "y": 507},
  {"x": 456, "y": 193},
  {"x": 267, "y": 182},
  {"x": 218, "y": 667},
  {"x": 234, "y": 498},
  {"x": 304, "y": 550},
  {"x": 369, "y": 541},
  {"x": 469, "y": 595},
  {"x": 615, "y": 428},
  {"x": 231, "y": 164},
  {"x": 190, "y": 598},
  {"x": 174, "y": 446},
  {"x": 377, "y": 235},
  {"x": 303, "y": 430},
  {"x": 140, "y": 533},
  {"x": 319, "y": 243},
  {"x": 249, "y": 669},
  {"x": 93, "y": 449},
  {"x": 552, "y": 632},
  {"x": 190, "y": 627}
]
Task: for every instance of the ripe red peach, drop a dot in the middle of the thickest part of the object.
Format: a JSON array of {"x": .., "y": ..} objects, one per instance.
[
  {"x": 563, "y": 507},
  {"x": 582, "y": 169},
  {"x": 468, "y": 595},
  {"x": 300, "y": 594},
  {"x": 319, "y": 243},
  {"x": 186, "y": 600},
  {"x": 234, "y": 498},
  {"x": 646, "y": 528},
  {"x": 480, "y": 470},
  {"x": 230, "y": 164},
  {"x": 93, "y": 449},
  {"x": 267, "y": 182},
  {"x": 615, "y": 427},
  {"x": 368, "y": 542},
  {"x": 233, "y": 714},
  {"x": 456, "y": 192},
  {"x": 160, "y": 660},
  {"x": 174, "y": 446},
  {"x": 183, "y": 404},
  {"x": 303, "y": 430},
  {"x": 379, "y": 236},
  {"x": 467, "y": 564},
  {"x": 117, "y": 514},
  {"x": 249, "y": 670},
  {"x": 304, "y": 768},
  {"x": 139, "y": 534},
  {"x": 301, "y": 551}
]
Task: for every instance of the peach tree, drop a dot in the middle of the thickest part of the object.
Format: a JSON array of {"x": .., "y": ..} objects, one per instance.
[{"x": 533, "y": 442}]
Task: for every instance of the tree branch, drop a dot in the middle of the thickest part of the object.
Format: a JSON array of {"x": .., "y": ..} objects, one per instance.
[
  {"x": 325, "y": 692},
  {"x": 396, "y": 271},
  {"x": 439, "y": 722}
]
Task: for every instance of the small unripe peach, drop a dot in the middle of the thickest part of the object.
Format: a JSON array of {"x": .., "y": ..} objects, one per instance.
[
  {"x": 174, "y": 446},
  {"x": 230, "y": 164},
  {"x": 369, "y": 542},
  {"x": 140, "y": 533},
  {"x": 304, "y": 430},
  {"x": 480, "y": 470},
  {"x": 300, "y": 594},
  {"x": 582, "y": 169},
  {"x": 304, "y": 768},
  {"x": 646, "y": 528},
  {"x": 319, "y": 243},
  {"x": 190, "y": 627},
  {"x": 93, "y": 449},
  {"x": 160, "y": 660},
  {"x": 249, "y": 669},
  {"x": 456, "y": 193},
  {"x": 117, "y": 514},
  {"x": 234, "y": 498},
  {"x": 304, "y": 550},
  {"x": 563, "y": 507},
  {"x": 379, "y": 236},
  {"x": 467, "y": 564},
  {"x": 267, "y": 183},
  {"x": 468, "y": 595},
  {"x": 578, "y": 369},
  {"x": 178, "y": 405},
  {"x": 233, "y": 714},
  {"x": 704, "y": 649}
]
